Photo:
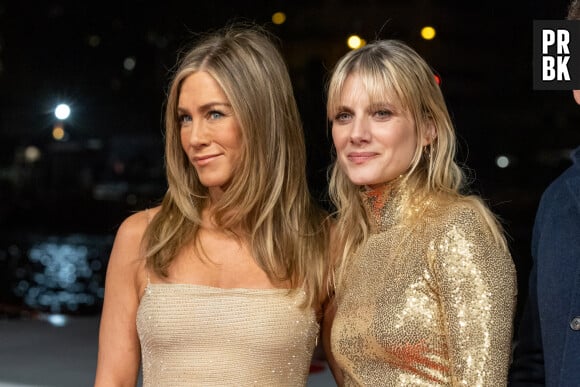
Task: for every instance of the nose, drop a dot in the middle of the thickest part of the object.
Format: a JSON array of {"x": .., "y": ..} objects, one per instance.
[
  {"x": 360, "y": 132},
  {"x": 198, "y": 135}
]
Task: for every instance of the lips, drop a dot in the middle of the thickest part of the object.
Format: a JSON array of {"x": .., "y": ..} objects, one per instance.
[
  {"x": 361, "y": 157},
  {"x": 205, "y": 159}
]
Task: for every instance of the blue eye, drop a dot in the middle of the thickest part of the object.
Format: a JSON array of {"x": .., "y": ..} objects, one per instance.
[
  {"x": 383, "y": 113},
  {"x": 342, "y": 116},
  {"x": 214, "y": 115},
  {"x": 183, "y": 118}
]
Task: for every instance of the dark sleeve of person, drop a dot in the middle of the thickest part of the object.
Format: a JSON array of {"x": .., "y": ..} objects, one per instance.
[{"x": 527, "y": 368}]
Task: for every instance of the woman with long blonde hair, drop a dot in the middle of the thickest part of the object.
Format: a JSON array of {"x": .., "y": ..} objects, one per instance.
[
  {"x": 425, "y": 284},
  {"x": 222, "y": 284}
]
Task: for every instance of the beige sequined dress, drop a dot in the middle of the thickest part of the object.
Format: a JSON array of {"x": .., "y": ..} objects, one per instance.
[
  {"x": 428, "y": 306},
  {"x": 194, "y": 335}
]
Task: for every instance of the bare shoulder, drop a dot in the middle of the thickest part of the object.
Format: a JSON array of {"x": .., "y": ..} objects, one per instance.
[
  {"x": 127, "y": 252},
  {"x": 134, "y": 226}
]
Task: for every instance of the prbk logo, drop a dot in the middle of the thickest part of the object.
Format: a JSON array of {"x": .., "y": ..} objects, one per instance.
[{"x": 556, "y": 55}]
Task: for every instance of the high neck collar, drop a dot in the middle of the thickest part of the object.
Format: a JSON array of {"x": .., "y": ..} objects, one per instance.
[{"x": 383, "y": 204}]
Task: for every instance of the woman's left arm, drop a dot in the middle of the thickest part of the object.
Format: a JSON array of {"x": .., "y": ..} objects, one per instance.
[{"x": 478, "y": 290}]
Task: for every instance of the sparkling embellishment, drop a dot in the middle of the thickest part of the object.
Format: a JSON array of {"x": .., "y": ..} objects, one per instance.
[
  {"x": 427, "y": 306},
  {"x": 199, "y": 335}
]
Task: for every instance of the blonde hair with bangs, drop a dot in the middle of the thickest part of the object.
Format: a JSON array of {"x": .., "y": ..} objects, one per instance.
[
  {"x": 393, "y": 72},
  {"x": 268, "y": 200}
]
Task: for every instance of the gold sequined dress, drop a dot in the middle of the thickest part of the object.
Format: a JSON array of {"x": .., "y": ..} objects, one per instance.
[
  {"x": 431, "y": 305},
  {"x": 193, "y": 335}
]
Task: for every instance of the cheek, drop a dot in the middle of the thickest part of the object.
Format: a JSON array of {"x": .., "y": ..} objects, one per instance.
[
  {"x": 338, "y": 138},
  {"x": 235, "y": 146},
  {"x": 184, "y": 138},
  {"x": 407, "y": 140}
]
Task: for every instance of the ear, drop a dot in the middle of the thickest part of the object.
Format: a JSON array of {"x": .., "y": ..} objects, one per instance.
[
  {"x": 576, "y": 96},
  {"x": 429, "y": 134}
]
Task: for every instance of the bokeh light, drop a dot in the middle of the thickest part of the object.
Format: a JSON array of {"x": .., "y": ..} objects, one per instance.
[
  {"x": 31, "y": 154},
  {"x": 437, "y": 79},
  {"x": 129, "y": 63},
  {"x": 58, "y": 132},
  {"x": 62, "y": 111},
  {"x": 428, "y": 32},
  {"x": 279, "y": 18},
  {"x": 502, "y": 161},
  {"x": 355, "y": 41}
]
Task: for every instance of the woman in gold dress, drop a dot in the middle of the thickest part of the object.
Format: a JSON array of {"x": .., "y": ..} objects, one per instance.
[
  {"x": 425, "y": 285},
  {"x": 222, "y": 283}
]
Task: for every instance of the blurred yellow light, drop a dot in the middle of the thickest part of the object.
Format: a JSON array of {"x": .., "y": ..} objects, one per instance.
[
  {"x": 354, "y": 42},
  {"x": 279, "y": 18},
  {"x": 428, "y": 33},
  {"x": 58, "y": 132}
]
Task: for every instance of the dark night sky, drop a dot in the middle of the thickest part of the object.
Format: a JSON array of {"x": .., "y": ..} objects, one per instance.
[{"x": 483, "y": 52}]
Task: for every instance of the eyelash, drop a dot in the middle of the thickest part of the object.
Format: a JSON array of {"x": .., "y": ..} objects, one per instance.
[
  {"x": 182, "y": 117},
  {"x": 341, "y": 116},
  {"x": 212, "y": 112},
  {"x": 383, "y": 113}
]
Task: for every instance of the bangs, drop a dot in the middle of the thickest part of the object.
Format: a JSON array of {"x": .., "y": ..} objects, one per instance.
[
  {"x": 378, "y": 79},
  {"x": 382, "y": 87}
]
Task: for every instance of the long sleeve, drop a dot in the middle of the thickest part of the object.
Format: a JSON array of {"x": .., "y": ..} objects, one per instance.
[
  {"x": 548, "y": 348},
  {"x": 429, "y": 303},
  {"x": 527, "y": 368},
  {"x": 476, "y": 283}
]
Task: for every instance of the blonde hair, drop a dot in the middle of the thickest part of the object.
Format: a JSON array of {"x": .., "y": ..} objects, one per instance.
[
  {"x": 268, "y": 198},
  {"x": 574, "y": 10},
  {"x": 392, "y": 71}
]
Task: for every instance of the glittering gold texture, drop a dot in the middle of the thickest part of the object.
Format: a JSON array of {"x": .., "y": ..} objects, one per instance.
[
  {"x": 430, "y": 305},
  {"x": 195, "y": 335}
]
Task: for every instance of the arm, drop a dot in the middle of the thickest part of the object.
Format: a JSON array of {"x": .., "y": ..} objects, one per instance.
[
  {"x": 119, "y": 349},
  {"x": 327, "y": 319},
  {"x": 329, "y": 309},
  {"x": 549, "y": 346},
  {"x": 477, "y": 289},
  {"x": 527, "y": 368}
]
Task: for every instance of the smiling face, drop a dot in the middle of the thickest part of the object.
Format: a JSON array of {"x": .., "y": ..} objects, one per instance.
[
  {"x": 375, "y": 141},
  {"x": 210, "y": 133}
]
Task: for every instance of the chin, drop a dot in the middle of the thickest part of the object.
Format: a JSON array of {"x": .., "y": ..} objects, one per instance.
[
  {"x": 361, "y": 181},
  {"x": 213, "y": 183}
]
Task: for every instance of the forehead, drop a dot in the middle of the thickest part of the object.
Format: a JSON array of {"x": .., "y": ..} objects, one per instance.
[
  {"x": 361, "y": 87},
  {"x": 201, "y": 85}
]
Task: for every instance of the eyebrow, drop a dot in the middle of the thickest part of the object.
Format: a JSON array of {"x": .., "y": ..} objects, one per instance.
[
  {"x": 342, "y": 108},
  {"x": 380, "y": 105},
  {"x": 371, "y": 106},
  {"x": 207, "y": 106}
]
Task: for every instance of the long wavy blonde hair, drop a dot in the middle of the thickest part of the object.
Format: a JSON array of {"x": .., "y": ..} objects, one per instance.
[
  {"x": 267, "y": 203},
  {"x": 392, "y": 71}
]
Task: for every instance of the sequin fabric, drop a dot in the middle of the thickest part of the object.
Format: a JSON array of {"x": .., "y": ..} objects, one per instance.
[
  {"x": 194, "y": 335},
  {"x": 431, "y": 305}
]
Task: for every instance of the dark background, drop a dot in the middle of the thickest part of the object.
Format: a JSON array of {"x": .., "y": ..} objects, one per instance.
[{"x": 58, "y": 214}]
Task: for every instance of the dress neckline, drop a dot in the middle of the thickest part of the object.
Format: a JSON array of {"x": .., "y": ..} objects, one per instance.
[{"x": 219, "y": 289}]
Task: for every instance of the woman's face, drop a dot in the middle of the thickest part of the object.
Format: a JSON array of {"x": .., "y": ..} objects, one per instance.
[
  {"x": 375, "y": 142},
  {"x": 210, "y": 133}
]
